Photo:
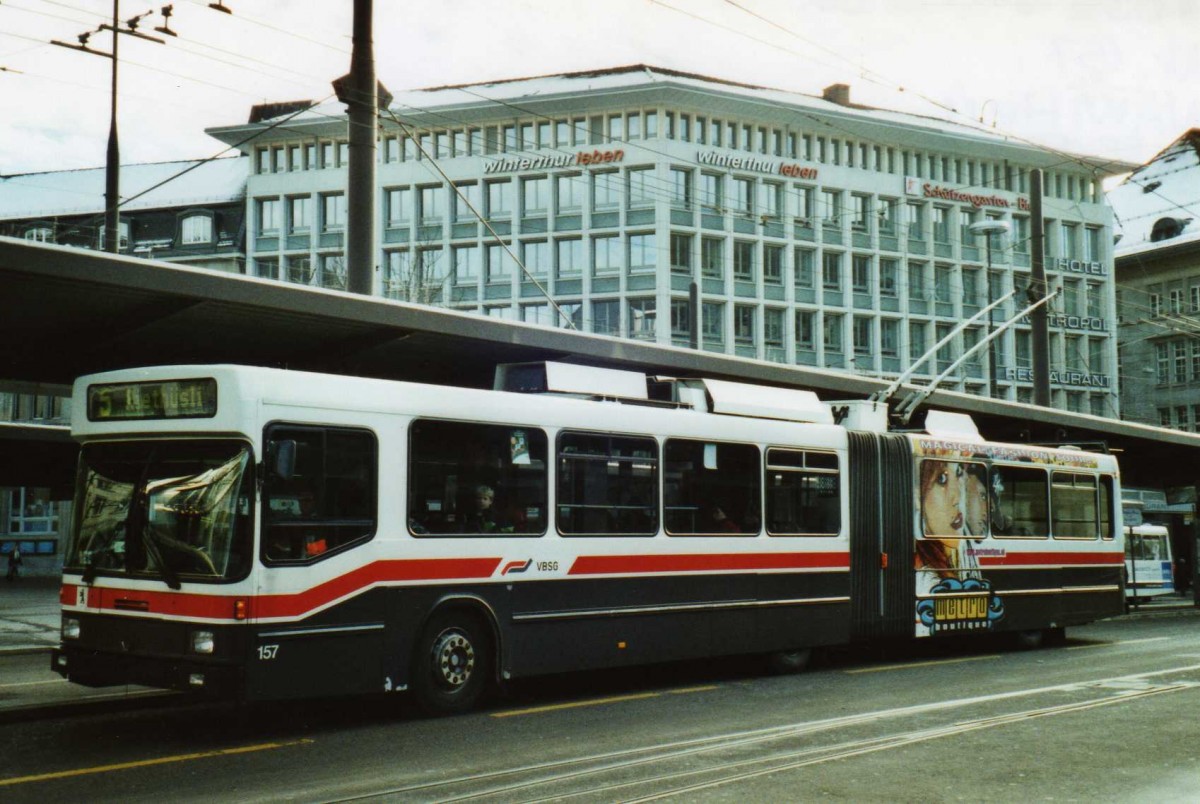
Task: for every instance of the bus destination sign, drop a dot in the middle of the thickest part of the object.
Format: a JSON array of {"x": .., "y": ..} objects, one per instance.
[{"x": 164, "y": 399}]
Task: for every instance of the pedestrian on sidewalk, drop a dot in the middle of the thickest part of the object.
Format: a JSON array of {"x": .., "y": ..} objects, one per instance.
[{"x": 14, "y": 562}]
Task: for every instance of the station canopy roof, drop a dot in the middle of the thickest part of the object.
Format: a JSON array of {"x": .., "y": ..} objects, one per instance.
[{"x": 66, "y": 312}]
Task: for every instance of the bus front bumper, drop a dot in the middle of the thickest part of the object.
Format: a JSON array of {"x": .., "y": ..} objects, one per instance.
[{"x": 94, "y": 668}]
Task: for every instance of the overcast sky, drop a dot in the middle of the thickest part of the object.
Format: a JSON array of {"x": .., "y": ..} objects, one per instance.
[{"x": 1112, "y": 78}]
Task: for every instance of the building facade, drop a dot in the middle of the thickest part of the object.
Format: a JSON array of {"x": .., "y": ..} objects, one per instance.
[
  {"x": 187, "y": 212},
  {"x": 1158, "y": 273},
  {"x": 819, "y": 232}
]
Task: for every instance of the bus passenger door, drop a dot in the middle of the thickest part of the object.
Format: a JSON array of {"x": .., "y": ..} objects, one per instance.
[{"x": 882, "y": 581}]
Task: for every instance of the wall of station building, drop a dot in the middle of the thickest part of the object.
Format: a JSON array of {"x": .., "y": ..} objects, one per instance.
[{"x": 807, "y": 247}]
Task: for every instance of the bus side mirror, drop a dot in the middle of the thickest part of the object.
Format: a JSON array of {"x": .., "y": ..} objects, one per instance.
[{"x": 283, "y": 459}]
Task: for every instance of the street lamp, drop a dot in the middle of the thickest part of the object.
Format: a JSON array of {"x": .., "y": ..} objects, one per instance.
[{"x": 987, "y": 228}]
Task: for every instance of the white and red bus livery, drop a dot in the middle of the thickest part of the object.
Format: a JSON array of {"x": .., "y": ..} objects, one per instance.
[{"x": 269, "y": 534}]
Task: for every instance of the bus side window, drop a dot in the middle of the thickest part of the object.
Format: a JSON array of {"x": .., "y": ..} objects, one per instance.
[
  {"x": 472, "y": 479},
  {"x": 327, "y": 500}
]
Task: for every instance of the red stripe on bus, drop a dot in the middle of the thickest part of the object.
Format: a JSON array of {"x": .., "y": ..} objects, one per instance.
[
  {"x": 220, "y": 607},
  {"x": 1052, "y": 559},
  {"x": 703, "y": 562}
]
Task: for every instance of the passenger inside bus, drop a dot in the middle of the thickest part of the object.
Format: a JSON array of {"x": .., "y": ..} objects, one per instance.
[
  {"x": 718, "y": 522},
  {"x": 483, "y": 517}
]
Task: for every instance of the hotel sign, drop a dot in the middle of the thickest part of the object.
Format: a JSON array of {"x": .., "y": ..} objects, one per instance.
[
  {"x": 914, "y": 186},
  {"x": 1089, "y": 267},
  {"x": 597, "y": 157},
  {"x": 775, "y": 166}
]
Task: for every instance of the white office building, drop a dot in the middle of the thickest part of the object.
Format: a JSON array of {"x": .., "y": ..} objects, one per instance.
[{"x": 819, "y": 232}]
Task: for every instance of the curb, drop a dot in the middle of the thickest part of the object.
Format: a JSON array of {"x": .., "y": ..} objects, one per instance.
[
  {"x": 25, "y": 650},
  {"x": 153, "y": 699}
]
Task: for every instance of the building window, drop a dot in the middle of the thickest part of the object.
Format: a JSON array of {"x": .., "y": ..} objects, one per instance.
[
  {"x": 267, "y": 267},
  {"x": 468, "y": 264},
  {"x": 804, "y": 205},
  {"x": 643, "y": 254},
  {"x": 334, "y": 212},
  {"x": 32, "y": 512},
  {"x": 606, "y": 255},
  {"x": 195, "y": 229},
  {"x": 833, "y": 332},
  {"x": 606, "y": 317},
  {"x": 569, "y": 190},
  {"x": 500, "y": 199},
  {"x": 40, "y": 234},
  {"x": 743, "y": 261},
  {"x": 537, "y": 314},
  {"x": 743, "y": 198},
  {"x": 712, "y": 257},
  {"x": 941, "y": 224},
  {"x": 681, "y": 188},
  {"x": 570, "y": 258},
  {"x": 889, "y": 337},
  {"x": 710, "y": 194},
  {"x": 268, "y": 216},
  {"x": 804, "y": 329},
  {"x": 862, "y": 335},
  {"x": 831, "y": 207},
  {"x": 773, "y": 264},
  {"x": 499, "y": 265},
  {"x": 642, "y": 316},
  {"x": 465, "y": 202},
  {"x": 641, "y": 188},
  {"x": 917, "y": 345},
  {"x": 535, "y": 196},
  {"x": 805, "y": 262},
  {"x": 299, "y": 219},
  {"x": 432, "y": 201},
  {"x": 915, "y": 220},
  {"x": 942, "y": 291},
  {"x": 399, "y": 207},
  {"x": 889, "y": 270},
  {"x": 773, "y": 327},
  {"x": 535, "y": 255},
  {"x": 713, "y": 322},
  {"x": 606, "y": 191},
  {"x": 681, "y": 318},
  {"x": 831, "y": 270},
  {"x": 681, "y": 253},
  {"x": 743, "y": 323},
  {"x": 333, "y": 271},
  {"x": 860, "y": 273},
  {"x": 860, "y": 221},
  {"x": 300, "y": 270}
]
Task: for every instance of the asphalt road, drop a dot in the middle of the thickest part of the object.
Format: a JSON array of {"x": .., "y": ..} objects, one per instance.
[{"x": 1109, "y": 716}]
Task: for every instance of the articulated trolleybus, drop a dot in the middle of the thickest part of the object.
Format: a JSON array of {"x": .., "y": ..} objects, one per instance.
[{"x": 269, "y": 534}]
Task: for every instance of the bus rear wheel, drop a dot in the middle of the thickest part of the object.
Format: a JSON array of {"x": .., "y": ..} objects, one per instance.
[{"x": 451, "y": 664}]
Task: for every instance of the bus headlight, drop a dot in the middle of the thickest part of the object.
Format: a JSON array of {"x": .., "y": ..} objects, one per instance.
[
  {"x": 70, "y": 628},
  {"x": 202, "y": 642}
]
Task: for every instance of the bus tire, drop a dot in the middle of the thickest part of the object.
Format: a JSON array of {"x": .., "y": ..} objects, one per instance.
[
  {"x": 786, "y": 662},
  {"x": 451, "y": 663}
]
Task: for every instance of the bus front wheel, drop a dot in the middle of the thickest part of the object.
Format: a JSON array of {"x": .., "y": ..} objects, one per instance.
[{"x": 451, "y": 664}]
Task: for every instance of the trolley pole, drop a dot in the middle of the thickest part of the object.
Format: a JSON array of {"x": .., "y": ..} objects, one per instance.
[
  {"x": 358, "y": 91},
  {"x": 1040, "y": 336}
]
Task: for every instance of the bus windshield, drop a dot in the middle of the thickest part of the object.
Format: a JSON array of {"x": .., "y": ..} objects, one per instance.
[{"x": 167, "y": 509}]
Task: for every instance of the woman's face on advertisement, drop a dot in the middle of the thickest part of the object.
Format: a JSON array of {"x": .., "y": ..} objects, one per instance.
[
  {"x": 976, "y": 504},
  {"x": 943, "y": 516}
]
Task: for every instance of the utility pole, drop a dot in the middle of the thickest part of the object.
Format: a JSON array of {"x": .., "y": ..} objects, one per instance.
[
  {"x": 988, "y": 228},
  {"x": 359, "y": 90},
  {"x": 112, "y": 162},
  {"x": 1040, "y": 336}
]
